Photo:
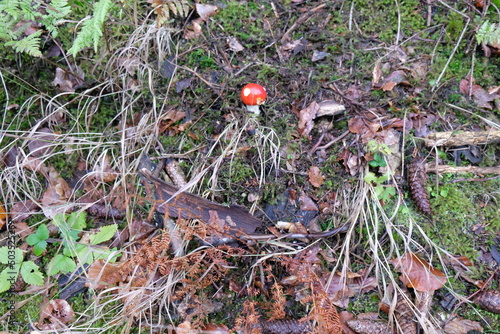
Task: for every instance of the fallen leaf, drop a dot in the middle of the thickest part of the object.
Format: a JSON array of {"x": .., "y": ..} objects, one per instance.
[
  {"x": 418, "y": 274},
  {"x": 103, "y": 275},
  {"x": 307, "y": 204},
  {"x": 234, "y": 45},
  {"x": 318, "y": 55},
  {"x": 193, "y": 30},
  {"x": 69, "y": 80},
  {"x": 315, "y": 176},
  {"x": 460, "y": 325},
  {"x": 306, "y": 117},
  {"x": 55, "y": 315},
  {"x": 377, "y": 72},
  {"x": 41, "y": 142},
  {"x": 395, "y": 78},
  {"x": 480, "y": 96},
  {"x": 205, "y": 11}
]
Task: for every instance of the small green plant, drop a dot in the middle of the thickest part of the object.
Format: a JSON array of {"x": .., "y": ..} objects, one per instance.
[
  {"x": 71, "y": 226},
  {"x": 378, "y": 160},
  {"x": 38, "y": 239},
  {"x": 14, "y": 259},
  {"x": 18, "y": 17},
  {"x": 92, "y": 29},
  {"x": 488, "y": 33},
  {"x": 383, "y": 192}
]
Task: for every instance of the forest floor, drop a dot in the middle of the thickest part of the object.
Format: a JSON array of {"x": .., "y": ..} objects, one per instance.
[{"x": 363, "y": 198}]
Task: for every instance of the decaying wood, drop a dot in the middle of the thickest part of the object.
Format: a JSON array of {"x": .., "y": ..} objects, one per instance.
[
  {"x": 460, "y": 138},
  {"x": 189, "y": 206},
  {"x": 432, "y": 168}
]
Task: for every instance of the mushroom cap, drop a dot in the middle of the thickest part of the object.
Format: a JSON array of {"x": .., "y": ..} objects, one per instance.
[{"x": 253, "y": 94}]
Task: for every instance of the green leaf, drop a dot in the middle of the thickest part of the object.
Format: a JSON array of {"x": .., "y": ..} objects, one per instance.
[
  {"x": 7, "y": 278},
  {"x": 39, "y": 248},
  {"x": 38, "y": 239},
  {"x": 11, "y": 256},
  {"x": 31, "y": 274},
  {"x": 61, "y": 264},
  {"x": 84, "y": 254},
  {"x": 105, "y": 233}
]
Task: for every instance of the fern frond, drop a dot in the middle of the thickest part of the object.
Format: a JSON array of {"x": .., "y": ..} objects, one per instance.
[
  {"x": 91, "y": 32},
  {"x": 30, "y": 44},
  {"x": 488, "y": 33},
  {"x": 163, "y": 8}
]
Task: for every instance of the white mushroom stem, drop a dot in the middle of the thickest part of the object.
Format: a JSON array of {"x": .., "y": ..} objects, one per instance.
[{"x": 255, "y": 109}]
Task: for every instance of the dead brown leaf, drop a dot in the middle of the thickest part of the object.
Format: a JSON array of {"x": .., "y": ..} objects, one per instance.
[
  {"x": 193, "y": 30},
  {"x": 398, "y": 77},
  {"x": 103, "y": 275},
  {"x": 41, "y": 142},
  {"x": 307, "y": 204},
  {"x": 234, "y": 45},
  {"x": 20, "y": 211},
  {"x": 460, "y": 325},
  {"x": 480, "y": 96},
  {"x": 418, "y": 274},
  {"x": 69, "y": 80},
  {"x": 306, "y": 117},
  {"x": 55, "y": 315},
  {"x": 167, "y": 121},
  {"x": 205, "y": 11},
  {"x": 339, "y": 291},
  {"x": 315, "y": 176}
]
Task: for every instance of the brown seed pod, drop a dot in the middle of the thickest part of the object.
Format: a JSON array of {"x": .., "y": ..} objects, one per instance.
[{"x": 417, "y": 179}]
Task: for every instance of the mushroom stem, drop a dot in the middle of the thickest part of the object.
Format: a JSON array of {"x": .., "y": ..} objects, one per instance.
[{"x": 254, "y": 109}]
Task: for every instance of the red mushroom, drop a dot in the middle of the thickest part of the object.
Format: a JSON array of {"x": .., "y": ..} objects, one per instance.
[{"x": 252, "y": 96}]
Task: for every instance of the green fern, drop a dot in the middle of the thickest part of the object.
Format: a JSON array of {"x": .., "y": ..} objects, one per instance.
[
  {"x": 488, "y": 33},
  {"x": 92, "y": 29},
  {"x": 30, "y": 44},
  {"x": 18, "y": 15}
]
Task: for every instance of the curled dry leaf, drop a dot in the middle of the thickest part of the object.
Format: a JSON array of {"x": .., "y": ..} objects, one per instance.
[
  {"x": 55, "y": 315},
  {"x": 480, "y": 96},
  {"x": 315, "y": 176},
  {"x": 395, "y": 78},
  {"x": 234, "y": 45},
  {"x": 307, "y": 204},
  {"x": 306, "y": 119},
  {"x": 68, "y": 81},
  {"x": 103, "y": 275},
  {"x": 418, "y": 274},
  {"x": 460, "y": 325},
  {"x": 205, "y": 11}
]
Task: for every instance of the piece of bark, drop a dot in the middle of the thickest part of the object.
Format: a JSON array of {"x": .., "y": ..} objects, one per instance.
[
  {"x": 432, "y": 168},
  {"x": 189, "y": 206},
  {"x": 460, "y": 138}
]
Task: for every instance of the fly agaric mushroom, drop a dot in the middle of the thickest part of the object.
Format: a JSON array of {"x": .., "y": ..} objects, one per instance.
[{"x": 252, "y": 96}]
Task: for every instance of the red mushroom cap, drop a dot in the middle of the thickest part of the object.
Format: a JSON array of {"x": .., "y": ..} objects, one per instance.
[{"x": 253, "y": 94}]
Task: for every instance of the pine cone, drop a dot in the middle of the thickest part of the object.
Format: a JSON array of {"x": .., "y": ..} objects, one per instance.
[{"x": 418, "y": 185}]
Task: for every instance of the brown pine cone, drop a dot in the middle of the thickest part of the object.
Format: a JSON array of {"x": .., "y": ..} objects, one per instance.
[{"x": 417, "y": 179}]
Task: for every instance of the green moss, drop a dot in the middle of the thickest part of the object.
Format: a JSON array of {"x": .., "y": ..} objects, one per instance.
[{"x": 456, "y": 209}]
